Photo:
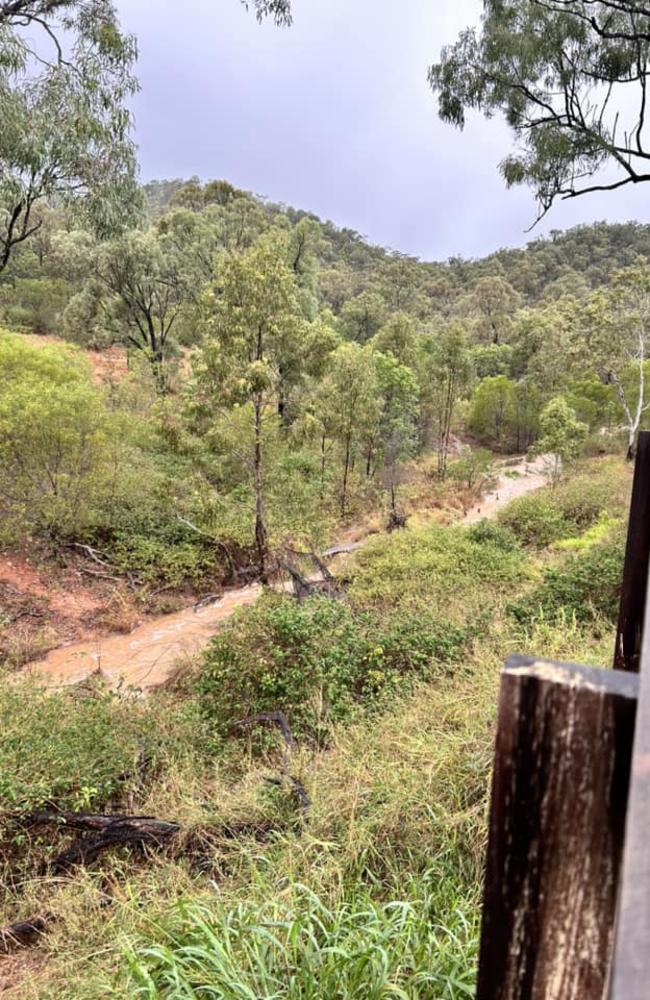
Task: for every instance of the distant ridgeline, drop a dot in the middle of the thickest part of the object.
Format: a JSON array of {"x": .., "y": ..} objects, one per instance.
[
  {"x": 357, "y": 284},
  {"x": 579, "y": 258}
]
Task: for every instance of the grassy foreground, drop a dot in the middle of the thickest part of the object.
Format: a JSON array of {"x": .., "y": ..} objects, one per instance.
[{"x": 375, "y": 890}]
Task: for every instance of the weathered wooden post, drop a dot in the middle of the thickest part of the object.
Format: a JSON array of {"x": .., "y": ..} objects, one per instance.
[
  {"x": 637, "y": 562},
  {"x": 631, "y": 963},
  {"x": 559, "y": 795}
]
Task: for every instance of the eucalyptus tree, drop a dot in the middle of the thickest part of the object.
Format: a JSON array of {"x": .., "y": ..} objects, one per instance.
[
  {"x": 491, "y": 413},
  {"x": 253, "y": 321},
  {"x": 279, "y": 10},
  {"x": 615, "y": 324},
  {"x": 399, "y": 336},
  {"x": 495, "y": 301},
  {"x": 562, "y": 435},
  {"x": 348, "y": 406},
  {"x": 136, "y": 290},
  {"x": 445, "y": 372},
  {"x": 397, "y": 424},
  {"x": 571, "y": 79},
  {"x": 363, "y": 316},
  {"x": 66, "y": 74}
]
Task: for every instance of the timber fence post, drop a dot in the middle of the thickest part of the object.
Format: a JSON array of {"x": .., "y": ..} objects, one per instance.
[{"x": 559, "y": 797}]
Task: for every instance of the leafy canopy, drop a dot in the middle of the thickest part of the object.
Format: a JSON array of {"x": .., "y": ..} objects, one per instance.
[
  {"x": 57, "y": 439},
  {"x": 66, "y": 72},
  {"x": 565, "y": 74}
]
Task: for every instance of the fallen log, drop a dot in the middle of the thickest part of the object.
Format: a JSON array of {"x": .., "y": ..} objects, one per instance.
[
  {"x": 305, "y": 586},
  {"x": 120, "y": 833},
  {"x": 23, "y": 933},
  {"x": 342, "y": 549},
  {"x": 102, "y": 832}
]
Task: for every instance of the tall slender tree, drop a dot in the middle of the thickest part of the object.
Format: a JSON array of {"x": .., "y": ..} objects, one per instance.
[{"x": 253, "y": 321}]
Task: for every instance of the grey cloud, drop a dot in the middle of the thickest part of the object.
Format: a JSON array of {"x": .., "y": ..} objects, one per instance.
[{"x": 335, "y": 116}]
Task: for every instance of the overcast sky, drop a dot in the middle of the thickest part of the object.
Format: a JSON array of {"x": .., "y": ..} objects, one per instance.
[{"x": 335, "y": 116}]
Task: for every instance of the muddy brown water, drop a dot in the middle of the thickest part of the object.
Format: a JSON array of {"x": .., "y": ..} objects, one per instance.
[{"x": 146, "y": 657}]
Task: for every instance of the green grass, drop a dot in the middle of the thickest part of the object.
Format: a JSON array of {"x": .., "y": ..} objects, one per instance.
[
  {"x": 299, "y": 947},
  {"x": 378, "y": 892}
]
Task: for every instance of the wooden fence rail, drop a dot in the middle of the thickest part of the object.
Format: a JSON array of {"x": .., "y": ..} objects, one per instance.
[{"x": 566, "y": 913}]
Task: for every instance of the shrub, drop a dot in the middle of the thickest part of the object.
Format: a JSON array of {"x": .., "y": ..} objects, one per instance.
[
  {"x": 535, "y": 519},
  {"x": 57, "y": 747},
  {"x": 490, "y": 533},
  {"x": 585, "y": 586},
  {"x": 63, "y": 451},
  {"x": 167, "y": 555},
  {"x": 316, "y": 661},
  {"x": 436, "y": 567},
  {"x": 472, "y": 468},
  {"x": 545, "y": 516},
  {"x": 584, "y": 498}
]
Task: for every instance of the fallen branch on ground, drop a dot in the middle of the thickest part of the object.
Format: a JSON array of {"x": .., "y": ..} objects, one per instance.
[
  {"x": 23, "y": 933},
  {"x": 102, "y": 560},
  {"x": 99, "y": 575},
  {"x": 92, "y": 553},
  {"x": 279, "y": 719},
  {"x": 102, "y": 833}
]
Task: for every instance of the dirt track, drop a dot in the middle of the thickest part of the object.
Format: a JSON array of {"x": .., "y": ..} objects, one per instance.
[{"x": 146, "y": 657}]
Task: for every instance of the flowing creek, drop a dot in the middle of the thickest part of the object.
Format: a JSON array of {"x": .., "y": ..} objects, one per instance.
[{"x": 148, "y": 656}]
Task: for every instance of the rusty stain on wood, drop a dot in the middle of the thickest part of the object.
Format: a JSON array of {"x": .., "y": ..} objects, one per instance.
[{"x": 559, "y": 795}]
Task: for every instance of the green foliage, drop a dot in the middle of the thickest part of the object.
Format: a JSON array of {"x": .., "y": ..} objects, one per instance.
[
  {"x": 361, "y": 318},
  {"x": 491, "y": 409},
  {"x": 497, "y": 535},
  {"x": 35, "y": 304},
  {"x": 445, "y": 372},
  {"x": 74, "y": 752},
  {"x": 437, "y": 567},
  {"x": 138, "y": 287},
  {"x": 561, "y": 435},
  {"x": 473, "y": 468},
  {"x": 493, "y": 359},
  {"x": 64, "y": 120},
  {"x": 516, "y": 65},
  {"x": 166, "y": 554},
  {"x": 505, "y": 414},
  {"x": 422, "y": 946},
  {"x": 535, "y": 520},
  {"x": 544, "y": 517},
  {"x": 614, "y": 326},
  {"x": 586, "y": 586},
  {"x": 58, "y": 442},
  {"x": 316, "y": 661},
  {"x": 594, "y": 403},
  {"x": 254, "y": 332},
  {"x": 348, "y": 407},
  {"x": 587, "y": 494}
]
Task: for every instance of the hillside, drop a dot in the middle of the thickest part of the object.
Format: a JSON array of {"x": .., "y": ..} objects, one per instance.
[
  {"x": 191, "y": 412},
  {"x": 366, "y": 840}
]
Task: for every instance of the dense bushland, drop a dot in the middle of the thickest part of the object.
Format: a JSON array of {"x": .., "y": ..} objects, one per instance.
[{"x": 284, "y": 376}]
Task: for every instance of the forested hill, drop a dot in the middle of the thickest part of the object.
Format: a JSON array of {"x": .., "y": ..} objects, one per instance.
[
  {"x": 579, "y": 258},
  {"x": 49, "y": 288}
]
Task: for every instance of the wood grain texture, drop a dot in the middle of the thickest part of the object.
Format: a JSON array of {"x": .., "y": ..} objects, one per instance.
[
  {"x": 559, "y": 795},
  {"x": 631, "y": 965},
  {"x": 629, "y": 632}
]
